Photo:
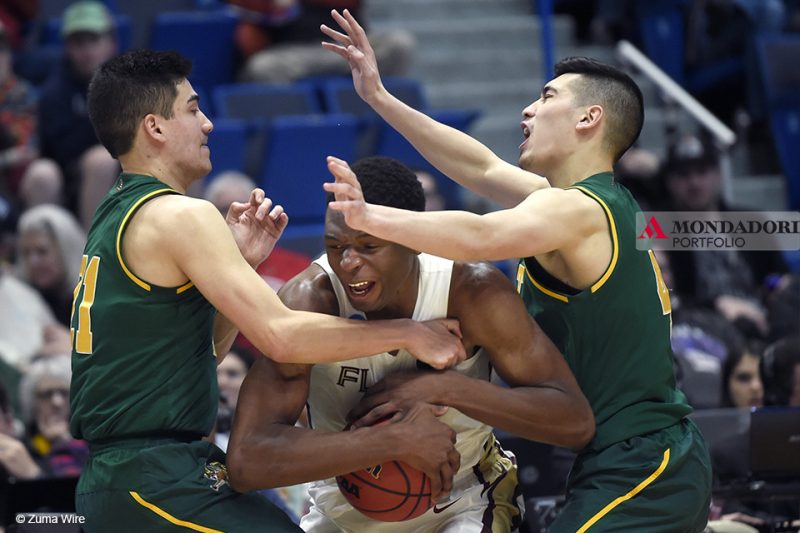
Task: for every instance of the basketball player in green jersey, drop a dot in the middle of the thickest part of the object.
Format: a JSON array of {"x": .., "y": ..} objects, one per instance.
[
  {"x": 370, "y": 278},
  {"x": 601, "y": 301},
  {"x": 145, "y": 327}
]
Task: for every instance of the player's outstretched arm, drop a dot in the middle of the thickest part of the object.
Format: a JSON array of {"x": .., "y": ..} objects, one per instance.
[
  {"x": 546, "y": 221},
  {"x": 454, "y": 153},
  {"x": 543, "y": 401},
  {"x": 200, "y": 244},
  {"x": 266, "y": 448},
  {"x": 256, "y": 226}
]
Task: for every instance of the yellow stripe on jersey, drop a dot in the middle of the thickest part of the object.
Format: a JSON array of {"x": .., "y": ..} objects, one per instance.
[
  {"x": 614, "y": 240},
  {"x": 544, "y": 289},
  {"x": 168, "y": 517},
  {"x": 639, "y": 488},
  {"x": 184, "y": 288},
  {"x": 122, "y": 226}
]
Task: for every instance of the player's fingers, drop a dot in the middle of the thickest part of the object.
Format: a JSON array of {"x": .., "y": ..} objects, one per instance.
[
  {"x": 263, "y": 209},
  {"x": 453, "y": 326},
  {"x": 257, "y": 196},
  {"x": 341, "y": 50},
  {"x": 236, "y": 210},
  {"x": 354, "y": 29},
  {"x": 337, "y": 36},
  {"x": 370, "y": 412},
  {"x": 340, "y": 20},
  {"x": 439, "y": 410}
]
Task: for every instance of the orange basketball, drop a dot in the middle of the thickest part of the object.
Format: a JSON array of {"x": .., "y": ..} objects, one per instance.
[{"x": 391, "y": 492}]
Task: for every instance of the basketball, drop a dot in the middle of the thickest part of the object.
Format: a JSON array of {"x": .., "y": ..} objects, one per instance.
[{"x": 391, "y": 492}]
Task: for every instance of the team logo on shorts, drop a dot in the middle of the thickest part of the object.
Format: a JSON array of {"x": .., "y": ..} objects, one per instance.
[{"x": 216, "y": 472}]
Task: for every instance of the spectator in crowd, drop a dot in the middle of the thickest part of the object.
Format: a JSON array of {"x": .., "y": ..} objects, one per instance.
[
  {"x": 66, "y": 135},
  {"x": 15, "y": 459},
  {"x": 27, "y": 325},
  {"x": 49, "y": 246},
  {"x": 741, "y": 378},
  {"x": 728, "y": 281},
  {"x": 782, "y": 371},
  {"x": 17, "y": 120},
  {"x": 280, "y": 41},
  {"x": 44, "y": 398}
]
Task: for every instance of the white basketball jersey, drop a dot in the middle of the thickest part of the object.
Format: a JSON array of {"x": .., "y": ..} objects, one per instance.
[{"x": 338, "y": 387}]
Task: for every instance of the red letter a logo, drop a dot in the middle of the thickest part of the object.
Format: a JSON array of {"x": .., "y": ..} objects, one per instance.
[{"x": 652, "y": 229}]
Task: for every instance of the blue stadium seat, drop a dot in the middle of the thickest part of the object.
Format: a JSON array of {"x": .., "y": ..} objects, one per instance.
[
  {"x": 205, "y": 37},
  {"x": 228, "y": 143},
  {"x": 662, "y": 32},
  {"x": 293, "y": 165},
  {"x": 307, "y": 239},
  {"x": 782, "y": 91},
  {"x": 265, "y": 101},
  {"x": 339, "y": 96}
]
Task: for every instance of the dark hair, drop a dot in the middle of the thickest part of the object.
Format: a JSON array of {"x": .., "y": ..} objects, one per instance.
[
  {"x": 387, "y": 181},
  {"x": 735, "y": 355},
  {"x": 690, "y": 153},
  {"x": 779, "y": 362},
  {"x": 130, "y": 86},
  {"x": 619, "y": 95}
]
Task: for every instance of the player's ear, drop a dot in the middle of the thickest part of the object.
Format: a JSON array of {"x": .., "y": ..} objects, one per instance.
[
  {"x": 151, "y": 125},
  {"x": 591, "y": 117}
]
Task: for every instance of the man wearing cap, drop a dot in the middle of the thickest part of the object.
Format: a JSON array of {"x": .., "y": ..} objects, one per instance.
[
  {"x": 66, "y": 135},
  {"x": 729, "y": 282}
]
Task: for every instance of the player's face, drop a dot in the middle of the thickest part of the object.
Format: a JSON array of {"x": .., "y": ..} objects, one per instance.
[
  {"x": 41, "y": 259},
  {"x": 188, "y": 132},
  {"x": 548, "y": 126},
  {"x": 380, "y": 277}
]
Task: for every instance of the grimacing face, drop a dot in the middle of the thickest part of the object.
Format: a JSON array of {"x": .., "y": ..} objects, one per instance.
[{"x": 379, "y": 276}]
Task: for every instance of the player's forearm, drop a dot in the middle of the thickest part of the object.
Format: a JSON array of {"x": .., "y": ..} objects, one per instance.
[
  {"x": 302, "y": 337},
  {"x": 457, "y": 155},
  {"x": 224, "y": 334},
  {"x": 456, "y": 235},
  {"x": 290, "y": 455},
  {"x": 541, "y": 413}
]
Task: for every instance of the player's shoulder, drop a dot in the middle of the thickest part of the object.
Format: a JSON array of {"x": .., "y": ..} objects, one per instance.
[
  {"x": 176, "y": 210},
  {"x": 310, "y": 290},
  {"x": 473, "y": 279}
]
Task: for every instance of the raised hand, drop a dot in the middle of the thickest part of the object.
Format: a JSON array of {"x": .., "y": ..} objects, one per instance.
[
  {"x": 348, "y": 194},
  {"x": 256, "y": 226},
  {"x": 354, "y": 47}
]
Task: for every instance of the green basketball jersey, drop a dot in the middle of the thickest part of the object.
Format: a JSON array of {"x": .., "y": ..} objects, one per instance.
[
  {"x": 142, "y": 356},
  {"x": 615, "y": 335}
]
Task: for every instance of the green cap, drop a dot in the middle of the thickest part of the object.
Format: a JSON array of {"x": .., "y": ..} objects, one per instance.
[{"x": 88, "y": 16}]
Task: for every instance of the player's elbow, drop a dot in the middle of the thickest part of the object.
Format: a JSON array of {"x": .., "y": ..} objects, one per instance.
[
  {"x": 238, "y": 471},
  {"x": 582, "y": 429}
]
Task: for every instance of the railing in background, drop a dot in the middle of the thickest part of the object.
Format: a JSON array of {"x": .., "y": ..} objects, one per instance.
[
  {"x": 545, "y": 9},
  {"x": 722, "y": 134}
]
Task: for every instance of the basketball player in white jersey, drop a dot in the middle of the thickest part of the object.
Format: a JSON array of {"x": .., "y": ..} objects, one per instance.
[{"x": 363, "y": 277}]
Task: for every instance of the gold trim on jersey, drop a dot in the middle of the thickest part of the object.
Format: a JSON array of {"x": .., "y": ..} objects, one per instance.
[
  {"x": 139, "y": 202},
  {"x": 544, "y": 289},
  {"x": 639, "y": 488},
  {"x": 184, "y": 288},
  {"x": 168, "y": 517},
  {"x": 614, "y": 241}
]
